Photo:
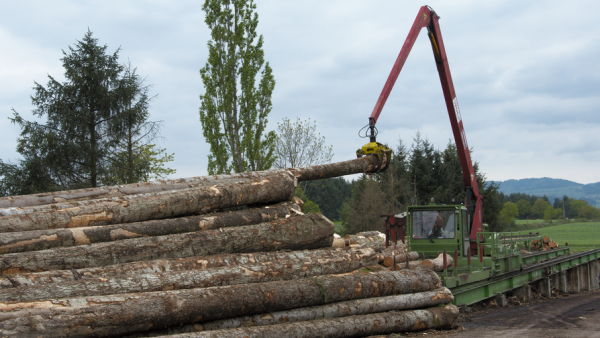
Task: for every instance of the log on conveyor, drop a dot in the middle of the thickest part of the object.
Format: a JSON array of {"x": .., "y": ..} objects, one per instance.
[
  {"x": 356, "y": 166},
  {"x": 12, "y": 242},
  {"x": 352, "y": 326},
  {"x": 141, "y": 312},
  {"x": 309, "y": 231},
  {"x": 437, "y": 264},
  {"x": 136, "y": 208},
  {"x": 343, "y": 262},
  {"x": 341, "y": 309},
  {"x": 178, "y": 264},
  {"x": 390, "y": 259}
]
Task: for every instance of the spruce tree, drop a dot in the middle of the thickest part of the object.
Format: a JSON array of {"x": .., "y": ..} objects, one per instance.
[{"x": 88, "y": 119}]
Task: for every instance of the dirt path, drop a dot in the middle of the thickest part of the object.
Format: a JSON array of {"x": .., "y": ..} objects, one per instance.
[{"x": 566, "y": 316}]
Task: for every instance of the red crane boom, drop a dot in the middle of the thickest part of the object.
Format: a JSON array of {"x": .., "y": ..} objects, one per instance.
[{"x": 429, "y": 19}]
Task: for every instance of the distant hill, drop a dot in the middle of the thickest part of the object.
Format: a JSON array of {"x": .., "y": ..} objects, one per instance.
[{"x": 552, "y": 188}]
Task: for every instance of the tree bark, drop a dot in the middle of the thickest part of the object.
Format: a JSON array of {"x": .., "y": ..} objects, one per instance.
[
  {"x": 196, "y": 278},
  {"x": 136, "y": 208},
  {"x": 177, "y": 264},
  {"x": 353, "y": 326},
  {"x": 363, "y": 164},
  {"x": 309, "y": 231},
  {"x": 45, "y": 239},
  {"x": 356, "y": 166},
  {"x": 341, "y": 309},
  {"x": 437, "y": 264},
  {"x": 139, "y": 312}
]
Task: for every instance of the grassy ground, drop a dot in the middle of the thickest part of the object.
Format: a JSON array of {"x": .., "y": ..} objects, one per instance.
[{"x": 581, "y": 236}]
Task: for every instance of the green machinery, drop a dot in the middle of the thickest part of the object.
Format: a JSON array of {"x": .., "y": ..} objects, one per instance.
[{"x": 502, "y": 261}]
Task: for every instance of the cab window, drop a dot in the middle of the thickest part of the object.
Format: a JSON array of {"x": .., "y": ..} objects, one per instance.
[{"x": 433, "y": 224}]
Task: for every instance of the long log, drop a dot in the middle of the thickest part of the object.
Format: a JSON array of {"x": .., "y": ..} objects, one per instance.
[
  {"x": 176, "y": 264},
  {"x": 341, "y": 309},
  {"x": 116, "y": 315},
  {"x": 166, "y": 204},
  {"x": 196, "y": 278},
  {"x": 12, "y": 242},
  {"x": 355, "y": 166},
  {"x": 309, "y": 231},
  {"x": 390, "y": 258},
  {"x": 353, "y": 326}
]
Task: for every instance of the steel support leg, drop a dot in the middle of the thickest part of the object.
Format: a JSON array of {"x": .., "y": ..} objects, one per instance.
[
  {"x": 544, "y": 286},
  {"x": 584, "y": 277},
  {"x": 594, "y": 271}
]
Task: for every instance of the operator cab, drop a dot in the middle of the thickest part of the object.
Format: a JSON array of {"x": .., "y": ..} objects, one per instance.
[{"x": 433, "y": 228}]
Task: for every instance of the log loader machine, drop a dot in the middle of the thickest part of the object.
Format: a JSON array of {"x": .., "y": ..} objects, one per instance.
[{"x": 485, "y": 264}]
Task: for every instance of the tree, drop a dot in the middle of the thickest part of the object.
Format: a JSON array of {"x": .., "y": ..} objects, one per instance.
[
  {"x": 299, "y": 145},
  {"x": 524, "y": 208},
  {"x": 539, "y": 208},
  {"x": 88, "y": 116},
  {"x": 364, "y": 208},
  {"x": 509, "y": 213},
  {"x": 589, "y": 212},
  {"x": 234, "y": 110}
]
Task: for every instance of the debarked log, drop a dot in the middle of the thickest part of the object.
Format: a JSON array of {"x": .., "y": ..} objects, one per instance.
[
  {"x": 180, "y": 264},
  {"x": 352, "y": 326},
  {"x": 12, "y": 242},
  {"x": 159, "y": 205},
  {"x": 342, "y": 309},
  {"x": 116, "y": 315},
  {"x": 173, "y": 280},
  {"x": 309, "y": 231}
]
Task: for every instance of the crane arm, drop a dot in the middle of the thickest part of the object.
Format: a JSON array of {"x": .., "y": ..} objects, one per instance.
[{"x": 429, "y": 19}]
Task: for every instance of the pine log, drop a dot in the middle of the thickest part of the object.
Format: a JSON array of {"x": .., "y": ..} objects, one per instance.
[
  {"x": 399, "y": 258},
  {"x": 553, "y": 245},
  {"x": 352, "y": 326},
  {"x": 437, "y": 264},
  {"x": 178, "y": 264},
  {"x": 546, "y": 239},
  {"x": 12, "y": 242},
  {"x": 309, "y": 231},
  {"x": 356, "y": 166},
  {"x": 159, "y": 205},
  {"x": 116, "y": 315},
  {"x": 341, "y": 309},
  {"x": 343, "y": 262}
]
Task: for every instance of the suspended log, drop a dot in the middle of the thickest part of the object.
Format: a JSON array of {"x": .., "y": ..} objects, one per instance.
[
  {"x": 309, "y": 231},
  {"x": 437, "y": 264},
  {"x": 45, "y": 239},
  {"x": 159, "y": 205},
  {"x": 196, "y": 278},
  {"x": 352, "y": 326},
  {"x": 363, "y": 164},
  {"x": 141, "y": 312},
  {"x": 182, "y": 264},
  {"x": 355, "y": 166}
]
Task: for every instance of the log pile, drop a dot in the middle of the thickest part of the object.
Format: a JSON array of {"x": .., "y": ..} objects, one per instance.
[
  {"x": 218, "y": 256},
  {"x": 545, "y": 243}
]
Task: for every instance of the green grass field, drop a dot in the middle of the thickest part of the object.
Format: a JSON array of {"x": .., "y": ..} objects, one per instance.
[{"x": 580, "y": 236}]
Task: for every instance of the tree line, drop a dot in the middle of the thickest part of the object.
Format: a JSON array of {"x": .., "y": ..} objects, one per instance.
[{"x": 523, "y": 206}]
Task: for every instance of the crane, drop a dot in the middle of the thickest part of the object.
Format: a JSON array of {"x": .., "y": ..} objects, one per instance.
[{"x": 427, "y": 18}]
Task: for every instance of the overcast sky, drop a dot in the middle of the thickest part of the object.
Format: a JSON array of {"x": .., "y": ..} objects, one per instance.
[{"x": 526, "y": 74}]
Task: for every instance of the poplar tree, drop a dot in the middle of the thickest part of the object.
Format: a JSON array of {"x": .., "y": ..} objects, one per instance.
[{"x": 238, "y": 86}]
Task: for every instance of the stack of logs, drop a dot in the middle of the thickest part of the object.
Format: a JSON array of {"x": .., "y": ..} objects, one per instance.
[
  {"x": 219, "y": 256},
  {"x": 545, "y": 243}
]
